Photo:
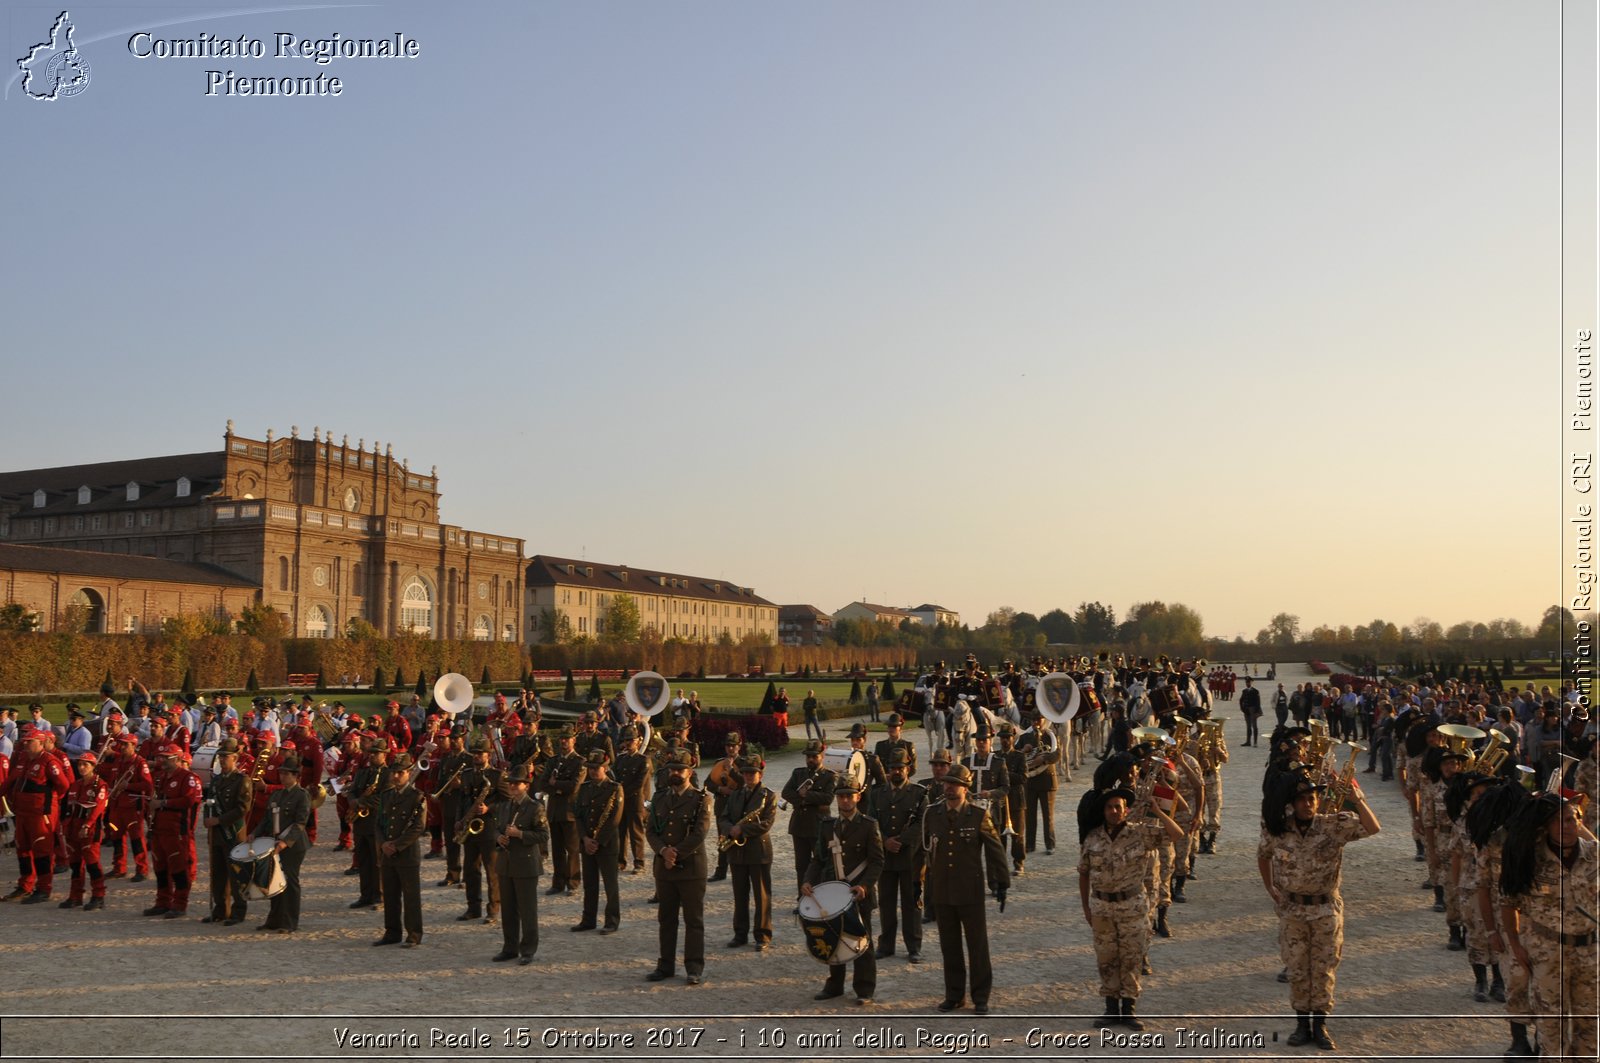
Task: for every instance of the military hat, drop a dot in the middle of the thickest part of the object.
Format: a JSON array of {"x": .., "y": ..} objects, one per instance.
[
  {"x": 733, "y": 738},
  {"x": 940, "y": 757},
  {"x": 898, "y": 758},
  {"x": 1124, "y": 792},
  {"x": 627, "y": 733},
  {"x": 291, "y": 763},
  {"x": 402, "y": 763},
  {"x": 752, "y": 762},
  {"x": 560, "y": 732},
  {"x": 681, "y": 759},
  {"x": 208, "y": 709},
  {"x": 1306, "y": 786},
  {"x": 895, "y": 720},
  {"x": 521, "y": 773},
  {"x": 1297, "y": 732},
  {"x": 481, "y": 744},
  {"x": 87, "y": 757},
  {"x": 959, "y": 774},
  {"x": 846, "y": 785},
  {"x": 597, "y": 757},
  {"x": 1007, "y": 731},
  {"x": 107, "y": 689},
  {"x": 982, "y": 734},
  {"x": 1452, "y": 754},
  {"x": 75, "y": 713},
  {"x": 816, "y": 747},
  {"x": 228, "y": 747},
  {"x": 858, "y": 730}
]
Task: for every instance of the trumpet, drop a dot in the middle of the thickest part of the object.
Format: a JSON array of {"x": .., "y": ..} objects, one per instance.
[
  {"x": 1344, "y": 785},
  {"x": 1492, "y": 757},
  {"x": 1181, "y": 732},
  {"x": 363, "y": 809}
]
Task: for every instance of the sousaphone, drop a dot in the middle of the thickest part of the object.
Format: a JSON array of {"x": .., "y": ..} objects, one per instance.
[
  {"x": 453, "y": 693},
  {"x": 647, "y": 695},
  {"x": 1058, "y": 697}
]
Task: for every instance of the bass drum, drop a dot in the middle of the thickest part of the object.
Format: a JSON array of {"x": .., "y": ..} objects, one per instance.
[
  {"x": 832, "y": 926},
  {"x": 257, "y": 862},
  {"x": 204, "y": 759},
  {"x": 847, "y": 763}
]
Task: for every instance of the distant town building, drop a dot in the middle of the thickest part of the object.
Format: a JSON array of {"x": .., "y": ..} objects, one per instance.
[
  {"x": 864, "y": 610},
  {"x": 115, "y": 592},
  {"x": 324, "y": 532},
  {"x": 934, "y": 615},
  {"x": 803, "y": 625},
  {"x": 567, "y": 597}
]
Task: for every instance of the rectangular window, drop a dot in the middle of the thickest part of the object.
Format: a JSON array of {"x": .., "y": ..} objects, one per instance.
[
  {"x": 77, "y": 524},
  {"x": 130, "y": 625},
  {"x": 127, "y": 520},
  {"x": 97, "y": 522},
  {"x": 145, "y": 519},
  {"x": 583, "y": 623},
  {"x": 583, "y": 597}
]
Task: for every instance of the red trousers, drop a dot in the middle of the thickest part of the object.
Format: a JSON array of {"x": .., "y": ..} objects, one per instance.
[
  {"x": 36, "y": 853},
  {"x": 175, "y": 860},
  {"x": 84, "y": 858},
  {"x": 129, "y": 833}
]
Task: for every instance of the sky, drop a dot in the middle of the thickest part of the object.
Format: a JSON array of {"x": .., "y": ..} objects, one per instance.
[{"x": 1247, "y": 305}]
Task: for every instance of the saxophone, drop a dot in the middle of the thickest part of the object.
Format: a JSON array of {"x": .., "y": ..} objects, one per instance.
[
  {"x": 728, "y": 841},
  {"x": 472, "y": 827}
]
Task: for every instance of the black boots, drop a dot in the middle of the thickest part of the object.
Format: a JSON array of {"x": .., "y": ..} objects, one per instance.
[
  {"x": 1113, "y": 1014},
  {"x": 1302, "y": 1030},
  {"x": 1128, "y": 1018},
  {"x": 1458, "y": 938},
  {"x": 1520, "y": 1048},
  {"x": 1177, "y": 889},
  {"x": 1497, "y": 987},
  {"x": 1480, "y": 983},
  {"x": 1319, "y": 1031},
  {"x": 1421, "y": 853},
  {"x": 1161, "y": 922},
  {"x": 1438, "y": 898}
]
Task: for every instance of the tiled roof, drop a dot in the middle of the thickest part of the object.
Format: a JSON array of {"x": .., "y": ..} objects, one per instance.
[
  {"x": 801, "y": 612},
  {"x": 546, "y": 571},
  {"x": 108, "y": 483},
  {"x": 114, "y": 566}
]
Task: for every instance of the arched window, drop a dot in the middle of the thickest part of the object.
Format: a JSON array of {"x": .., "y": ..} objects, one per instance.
[
  {"x": 481, "y": 628},
  {"x": 183, "y": 487},
  {"x": 283, "y": 573},
  {"x": 357, "y": 587},
  {"x": 416, "y": 608},
  {"x": 92, "y": 608},
  {"x": 317, "y": 625},
  {"x": 83, "y": 496}
]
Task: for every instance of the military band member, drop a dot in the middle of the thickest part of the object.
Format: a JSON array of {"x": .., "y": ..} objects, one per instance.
[
  {"x": 34, "y": 790},
  {"x": 285, "y": 821},
  {"x": 1112, "y": 879},
  {"x": 680, "y": 818},
  {"x": 598, "y": 816},
  {"x": 1462, "y": 871},
  {"x": 1299, "y": 858},
  {"x": 178, "y": 795},
  {"x": 744, "y": 833},
  {"x": 482, "y": 785},
  {"x": 370, "y": 781},
  {"x": 132, "y": 788},
  {"x": 809, "y": 793},
  {"x": 896, "y": 740},
  {"x": 1548, "y": 883},
  {"x": 230, "y": 804},
  {"x": 563, "y": 774},
  {"x": 721, "y": 781},
  {"x": 673, "y": 741},
  {"x": 1211, "y": 757},
  {"x": 850, "y": 849},
  {"x": 990, "y": 779},
  {"x": 964, "y": 854},
  {"x": 589, "y": 738},
  {"x": 1191, "y": 788},
  {"x": 1016, "y": 798},
  {"x": 82, "y": 821},
  {"x": 452, "y": 767},
  {"x": 521, "y": 831},
  {"x": 898, "y": 806},
  {"x": 402, "y": 819},
  {"x": 1041, "y": 752},
  {"x": 1487, "y": 822},
  {"x": 858, "y": 742},
  {"x": 634, "y": 771},
  {"x": 939, "y": 765}
]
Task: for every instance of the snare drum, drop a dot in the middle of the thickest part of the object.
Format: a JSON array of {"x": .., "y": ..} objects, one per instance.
[
  {"x": 257, "y": 861},
  {"x": 847, "y": 763},
  {"x": 832, "y": 926},
  {"x": 204, "y": 758}
]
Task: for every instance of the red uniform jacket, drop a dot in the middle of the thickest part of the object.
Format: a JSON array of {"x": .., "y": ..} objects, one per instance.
[
  {"x": 36, "y": 786},
  {"x": 85, "y": 810},
  {"x": 178, "y": 794},
  {"x": 139, "y": 787},
  {"x": 399, "y": 732}
]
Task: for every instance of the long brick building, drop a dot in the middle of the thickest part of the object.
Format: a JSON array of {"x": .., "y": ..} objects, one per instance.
[{"x": 324, "y": 532}]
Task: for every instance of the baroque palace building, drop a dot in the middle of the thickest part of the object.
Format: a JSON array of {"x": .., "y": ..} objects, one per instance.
[
  {"x": 323, "y": 532},
  {"x": 572, "y": 596}
]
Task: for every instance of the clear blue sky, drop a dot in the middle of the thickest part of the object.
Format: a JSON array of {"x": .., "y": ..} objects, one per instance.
[{"x": 1247, "y": 305}]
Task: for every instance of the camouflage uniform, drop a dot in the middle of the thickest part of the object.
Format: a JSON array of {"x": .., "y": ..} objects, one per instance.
[
  {"x": 1561, "y": 945},
  {"x": 1117, "y": 868},
  {"x": 1464, "y": 885},
  {"x": 1158, "y": 876},
  {"x": 1487, "y": 868},
  {"x": 1437, "y": 849},
  {"x": 1305, "y": 871},
  {"x": 1211, "y": 769},
  {"x": 1191, "y": 788},
  {"x": 1587, "y": 783}
]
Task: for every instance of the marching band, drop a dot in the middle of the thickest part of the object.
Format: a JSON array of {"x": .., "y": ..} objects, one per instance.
[{"x": 1508, "y": 845}]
